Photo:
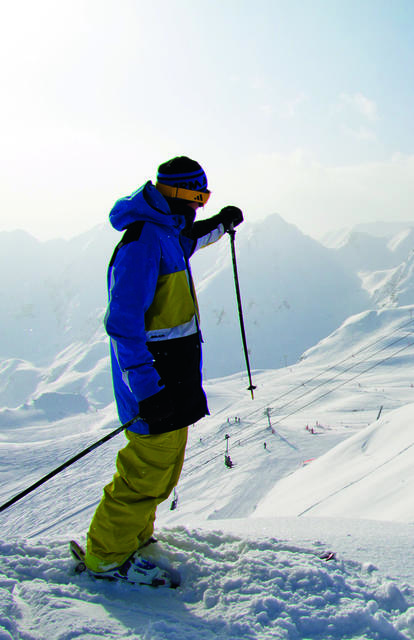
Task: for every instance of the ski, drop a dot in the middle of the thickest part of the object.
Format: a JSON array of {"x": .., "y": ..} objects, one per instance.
[
  {"x": 78, "y": 555},
  {"x": 139, "y": 577},
  {"x": 327, "y": 555}
]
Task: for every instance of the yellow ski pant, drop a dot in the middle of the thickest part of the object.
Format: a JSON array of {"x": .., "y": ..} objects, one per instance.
[{"x": 148, "y": 468}]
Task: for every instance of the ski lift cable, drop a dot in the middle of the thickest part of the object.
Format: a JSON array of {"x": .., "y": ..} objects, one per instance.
[
  {"x": 340, "y": 373},
  {"x": 353, "y": 355},
  {"x": 334, "y": 366},
  {"x": 314, "y": 389},
  {"x": 338, "y": 364},
  {"x": 343, "y": 383}
]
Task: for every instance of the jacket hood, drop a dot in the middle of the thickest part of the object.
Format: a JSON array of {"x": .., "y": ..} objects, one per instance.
[{"x": 147, "y": 205}]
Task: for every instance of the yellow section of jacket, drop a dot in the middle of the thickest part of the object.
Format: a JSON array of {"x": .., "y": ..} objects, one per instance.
[{"x": 173, "y": 303}]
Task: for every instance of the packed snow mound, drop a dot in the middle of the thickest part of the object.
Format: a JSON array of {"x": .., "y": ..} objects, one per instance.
[
  {"x": 370, "y": 475},
  {"x": 231, "y": 587}
]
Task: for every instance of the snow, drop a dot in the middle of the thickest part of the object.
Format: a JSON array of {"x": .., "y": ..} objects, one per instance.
[
  {"x": 376, "y": 461},
  {"x": 245, "y": 540},
  {"x": 233, "y": 587}
]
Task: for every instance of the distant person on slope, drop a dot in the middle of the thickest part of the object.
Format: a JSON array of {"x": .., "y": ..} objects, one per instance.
[{"x": 153, "y": 324}]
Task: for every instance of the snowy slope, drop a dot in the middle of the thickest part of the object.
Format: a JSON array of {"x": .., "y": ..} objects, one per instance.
[
  {"x": 370, "y": 475},
  {"x": 242, "y": 575}
]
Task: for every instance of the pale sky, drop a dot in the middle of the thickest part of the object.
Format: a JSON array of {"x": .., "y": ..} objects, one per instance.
[{"x": 300, "y": 107}]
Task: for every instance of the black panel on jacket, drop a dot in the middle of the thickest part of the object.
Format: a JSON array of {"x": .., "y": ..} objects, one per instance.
[{"x": 178, "y": 363}]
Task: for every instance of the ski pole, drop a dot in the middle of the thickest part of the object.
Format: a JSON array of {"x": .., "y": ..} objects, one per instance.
[
  {"x": 66, "y": 464},
  {"x": 232, "y": 234}
]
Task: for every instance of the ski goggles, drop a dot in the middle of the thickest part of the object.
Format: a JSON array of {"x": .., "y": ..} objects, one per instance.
[{"x": 183, "y": 194}]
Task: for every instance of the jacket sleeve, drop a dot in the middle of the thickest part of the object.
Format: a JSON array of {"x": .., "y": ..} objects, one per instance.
[
  {"x": 204, "y": 232},
  {"x": 132, "y": 283}
]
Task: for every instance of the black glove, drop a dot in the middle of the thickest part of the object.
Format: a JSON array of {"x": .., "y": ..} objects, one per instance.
[
  {"x": 156, "y": 407},
  {"x": 230, "y": 216}
]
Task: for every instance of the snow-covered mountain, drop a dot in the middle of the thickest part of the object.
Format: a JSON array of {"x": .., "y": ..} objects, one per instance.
[
  {"x": 54, "y": 304},
  {"x": 382, "y": 257},
  {"x": 391, "y": 287},
  {"x": 363, "y": 251},
  {"x": 339, "y": 237},
  {"x": 55, "y": 295},
  {"x": 290, "y": 286}
]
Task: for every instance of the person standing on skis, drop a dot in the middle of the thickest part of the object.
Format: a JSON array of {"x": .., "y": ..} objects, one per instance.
[{"x": 153, "y": 324}]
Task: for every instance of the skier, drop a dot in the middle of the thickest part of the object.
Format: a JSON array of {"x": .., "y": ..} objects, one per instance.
[{"x": 153, "y": 324}]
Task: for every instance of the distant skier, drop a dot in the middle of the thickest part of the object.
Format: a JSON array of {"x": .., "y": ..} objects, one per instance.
[{"x": 153, "y": 324}]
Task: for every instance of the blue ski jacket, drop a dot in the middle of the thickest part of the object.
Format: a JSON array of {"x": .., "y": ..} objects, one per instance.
[{"x": 152, "y": 317}]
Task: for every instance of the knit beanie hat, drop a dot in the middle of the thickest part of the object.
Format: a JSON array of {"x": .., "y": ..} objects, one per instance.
[{"x": 184, "y": 179}]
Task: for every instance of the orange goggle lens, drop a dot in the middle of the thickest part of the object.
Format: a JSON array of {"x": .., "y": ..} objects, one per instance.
[{"x": 183, "y": 194}]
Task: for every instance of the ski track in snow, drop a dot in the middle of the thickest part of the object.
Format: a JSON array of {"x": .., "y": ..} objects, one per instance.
[{"x": 231, "y": 588}]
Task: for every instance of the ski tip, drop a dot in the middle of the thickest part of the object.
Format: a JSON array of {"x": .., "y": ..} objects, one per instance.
[{"x": 77, "y": 551}]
